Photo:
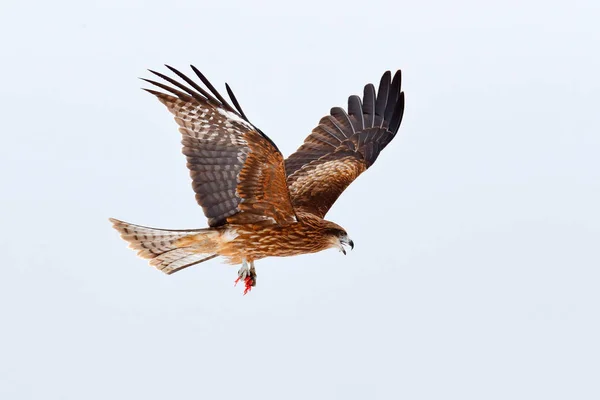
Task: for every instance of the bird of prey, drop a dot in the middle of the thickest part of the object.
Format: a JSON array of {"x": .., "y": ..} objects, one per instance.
[{"x": 259, "y": 204}]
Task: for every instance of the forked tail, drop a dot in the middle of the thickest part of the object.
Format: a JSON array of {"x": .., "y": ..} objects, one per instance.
[{"x": 169, "y": 250}]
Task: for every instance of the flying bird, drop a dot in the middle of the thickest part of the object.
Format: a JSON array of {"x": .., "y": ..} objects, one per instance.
[{"x": 259, "y": 204}]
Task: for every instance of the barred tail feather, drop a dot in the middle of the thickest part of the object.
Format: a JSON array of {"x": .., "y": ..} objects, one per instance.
[{"x": 168, "y": 250}]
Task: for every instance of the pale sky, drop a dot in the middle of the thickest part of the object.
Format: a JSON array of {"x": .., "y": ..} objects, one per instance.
[{"x": 476, "y": 268}]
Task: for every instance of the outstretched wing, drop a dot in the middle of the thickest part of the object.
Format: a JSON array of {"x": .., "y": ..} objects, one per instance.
[
  {"x": 237, "y": 172},
  {"x": 344, "y": 145}
]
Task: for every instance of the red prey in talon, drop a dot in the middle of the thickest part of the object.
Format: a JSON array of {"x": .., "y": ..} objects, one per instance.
[
  {"x": 248, "y": 283},
  {"x": 248, "y": 274}
]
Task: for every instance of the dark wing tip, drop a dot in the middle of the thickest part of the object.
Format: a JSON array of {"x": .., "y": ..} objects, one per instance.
[
  {"x": 397, "y": 111},
  {"x": 209, "y": 85},
  {"x": 382, "y": 95},
  {"x": 194, "y": 90},
  {"x": 386, "y": 78},
  {"x": 153, "y": 92},
  {"x": 235, "y": 101},
  {"x": 397, "y": 115},
  {"x": 355, "y": 110},
  {"x": 369, "y": 105},
  {"x": 393, "y": 96}
]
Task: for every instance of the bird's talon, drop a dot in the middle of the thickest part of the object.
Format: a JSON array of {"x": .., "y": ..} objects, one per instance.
[
  {"x": 248, "y": 282},
  {"x": 248, "y": 275}
]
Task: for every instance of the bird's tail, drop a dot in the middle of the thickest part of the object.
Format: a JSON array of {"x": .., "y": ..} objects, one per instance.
[{"x": 169, "y": 250}]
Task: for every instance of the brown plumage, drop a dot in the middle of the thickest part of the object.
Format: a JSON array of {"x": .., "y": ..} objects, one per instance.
[{"x": 258, "y": 204}]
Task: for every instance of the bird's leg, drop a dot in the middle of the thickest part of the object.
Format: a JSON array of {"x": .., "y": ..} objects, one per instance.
[
  {"x": 253, "y": 273},
  {"x": 248, "y": 275}
]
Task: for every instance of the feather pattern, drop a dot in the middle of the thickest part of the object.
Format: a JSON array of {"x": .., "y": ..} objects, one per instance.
[{"x": 344, "y": 145}]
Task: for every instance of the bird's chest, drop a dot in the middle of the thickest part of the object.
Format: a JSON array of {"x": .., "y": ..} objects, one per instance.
[{"x": 255, "y": 242}]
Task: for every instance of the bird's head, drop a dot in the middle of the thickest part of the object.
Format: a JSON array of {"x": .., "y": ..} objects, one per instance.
[
  {"x": 345, "y": 240},
  {"x": 339, "y": 237}
]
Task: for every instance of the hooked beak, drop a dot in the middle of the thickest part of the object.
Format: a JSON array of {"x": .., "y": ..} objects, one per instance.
[{"x": 345, "y": 241}]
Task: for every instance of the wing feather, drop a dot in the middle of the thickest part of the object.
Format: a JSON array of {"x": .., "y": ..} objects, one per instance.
[
  {"x": 342, "y": 120},
  {"x": 329, "y": 124},
  {"x": 355, "y": 111},
  {"x": 382, "y": 98},
  {"x": 235, "y": 101},
  {"x": 393, "y": 95},
  {"x": 369, "y": 105},
  {"x": 194, "y": 85}
]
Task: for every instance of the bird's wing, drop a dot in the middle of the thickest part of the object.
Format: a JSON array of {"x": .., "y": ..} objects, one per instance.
[
  {"x": 237, "y": 172},
  {"x": 343, "y": 145}
]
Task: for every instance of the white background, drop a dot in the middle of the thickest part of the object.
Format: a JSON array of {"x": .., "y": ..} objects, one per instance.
[{"x": 475, "y": 272}]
